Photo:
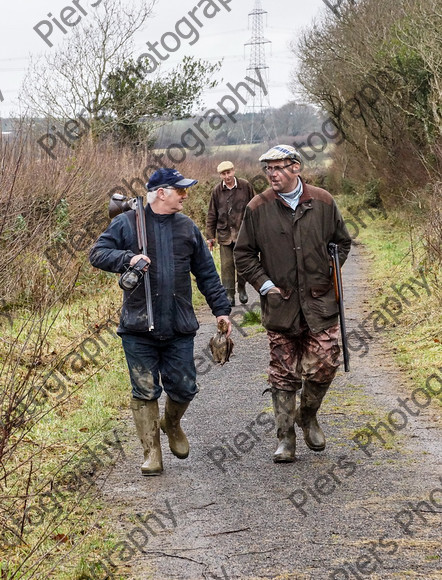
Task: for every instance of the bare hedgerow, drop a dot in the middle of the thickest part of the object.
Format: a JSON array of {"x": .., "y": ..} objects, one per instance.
[
  {"x": 44, "y": 205},
  {"x": 432, "y": 235}
]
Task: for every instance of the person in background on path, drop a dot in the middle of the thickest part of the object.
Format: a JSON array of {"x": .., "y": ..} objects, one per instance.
[
  {"x": 226, "y": 211},
  {"x": 282, "y": 252},
  {"x": 175, "y": 249}
]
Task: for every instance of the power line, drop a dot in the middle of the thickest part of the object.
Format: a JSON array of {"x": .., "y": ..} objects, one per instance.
[{"x": 15, "y": 58}]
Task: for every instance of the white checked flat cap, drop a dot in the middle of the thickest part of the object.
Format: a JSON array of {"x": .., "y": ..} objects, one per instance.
[{"x": 281, "y": 152}]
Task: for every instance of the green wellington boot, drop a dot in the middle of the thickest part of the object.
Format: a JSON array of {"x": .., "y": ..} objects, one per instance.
[
  {"x": 170, "y": 424},
  {"x": 284, "y": 405},
  {"x": 147, "y": 422},
  {"x": 311, "y": 399}
]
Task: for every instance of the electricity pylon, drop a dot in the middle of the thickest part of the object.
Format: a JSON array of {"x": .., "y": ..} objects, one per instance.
[{"x": 262, "y": 125}]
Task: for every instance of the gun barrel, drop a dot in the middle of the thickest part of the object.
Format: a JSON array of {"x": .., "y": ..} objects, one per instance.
[
  {"x": 334, "y": 252},
  {"x": 142, "y": 240}
]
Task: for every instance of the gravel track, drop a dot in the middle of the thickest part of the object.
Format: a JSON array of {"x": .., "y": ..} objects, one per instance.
[{"x": 229, "y": 512}]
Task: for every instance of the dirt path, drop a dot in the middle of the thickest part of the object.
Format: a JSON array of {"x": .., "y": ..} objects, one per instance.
[{"x": 229, "y": 512}]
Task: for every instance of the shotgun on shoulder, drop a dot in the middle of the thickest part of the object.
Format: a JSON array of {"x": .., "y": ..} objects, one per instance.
[
  {"x": 119, "y": 204},
  {"x": 142, "y": 244},
  {"x": 333, "y": 250}
]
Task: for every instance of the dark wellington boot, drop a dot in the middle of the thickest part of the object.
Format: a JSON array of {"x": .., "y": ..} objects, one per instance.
[
  {"x": 243, "y": 298},
  {"x": 170, "y": 424},
  {"x": 311, "y": 399},
  {"x": 284, "y": 405},
  {"x": 147, "y": 422}
]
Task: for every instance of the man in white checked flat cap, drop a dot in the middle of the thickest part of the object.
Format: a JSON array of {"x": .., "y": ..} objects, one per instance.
[{"x": 282, "y": 251}]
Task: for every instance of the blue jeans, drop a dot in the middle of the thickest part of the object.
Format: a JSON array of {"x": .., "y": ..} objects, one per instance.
[{"x": 170, "y": 361}]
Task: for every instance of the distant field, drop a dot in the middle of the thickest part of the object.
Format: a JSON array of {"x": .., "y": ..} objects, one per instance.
[
  {"x": 256, "y": 149},
  {"x": 242, "y": 148}
]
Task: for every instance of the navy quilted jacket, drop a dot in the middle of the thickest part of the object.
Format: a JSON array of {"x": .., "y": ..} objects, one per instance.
[{"x": 176, "y": 249}]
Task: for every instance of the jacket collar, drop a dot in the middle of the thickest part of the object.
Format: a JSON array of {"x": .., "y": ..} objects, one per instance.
[
  {"x": 224, "y": 186},
  {"x": 306, "y": 194}
]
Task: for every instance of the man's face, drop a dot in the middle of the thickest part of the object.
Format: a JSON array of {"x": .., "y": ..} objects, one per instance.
[
  {"x": 228, "y": 176},
  {"x": 173, "y": 199},
  {"x": 283, "y": 175}
]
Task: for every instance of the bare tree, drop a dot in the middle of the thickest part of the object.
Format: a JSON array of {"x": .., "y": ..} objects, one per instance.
[
  {"x": 425, "y": 41},
  {"x": 376, "y": 69},
  {"x": 71, "y": 79}
]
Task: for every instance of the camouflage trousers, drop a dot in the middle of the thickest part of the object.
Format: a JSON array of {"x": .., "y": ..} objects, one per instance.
[{"x": 313, "y": 357}]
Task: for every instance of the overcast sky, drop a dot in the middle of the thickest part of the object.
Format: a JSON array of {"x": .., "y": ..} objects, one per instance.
[{"x": 221, "y": 37}]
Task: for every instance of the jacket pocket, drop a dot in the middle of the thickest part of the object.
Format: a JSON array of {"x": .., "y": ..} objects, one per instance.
[
  {"x": 324, "y": 300},
  {"x": 185, "y": 321},
  {"x": 320, "y": 290},
  {"x": 279, "y": 312},
  {"x": 223, "y": 234},
  {"x": 134, "y": 312}
]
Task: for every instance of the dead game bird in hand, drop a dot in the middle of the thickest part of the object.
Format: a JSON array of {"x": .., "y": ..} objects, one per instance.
[{"x": 220, "y": 344}]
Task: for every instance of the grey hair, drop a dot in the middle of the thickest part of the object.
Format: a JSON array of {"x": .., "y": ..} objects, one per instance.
[{"x": 152, "y": 195}]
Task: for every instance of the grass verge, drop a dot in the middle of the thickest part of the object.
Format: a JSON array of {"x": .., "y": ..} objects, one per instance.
[
  {"x": 405, "y": 292},
  {"x": 70, "y": 436}
]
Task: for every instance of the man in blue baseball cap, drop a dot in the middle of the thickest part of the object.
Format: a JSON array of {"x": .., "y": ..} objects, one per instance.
[
  {"x": 169, "y": 177},
  {"x": 163, "y": 356}
]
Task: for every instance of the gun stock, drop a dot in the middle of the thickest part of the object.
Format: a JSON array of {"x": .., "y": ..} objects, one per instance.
[{"x": 339, "y": 293}]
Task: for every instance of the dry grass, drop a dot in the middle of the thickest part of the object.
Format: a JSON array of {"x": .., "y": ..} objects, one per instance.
[{"x": 51, "y": 300}]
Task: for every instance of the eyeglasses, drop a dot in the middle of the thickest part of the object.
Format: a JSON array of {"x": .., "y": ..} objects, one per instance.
[
  {"x": 182, "y": 191},
  {"x": 277, "y": 168}
]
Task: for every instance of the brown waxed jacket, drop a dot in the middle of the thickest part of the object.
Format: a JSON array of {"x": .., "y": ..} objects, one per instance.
[
  {"x": 226, "y": 211},
  {"x": 290, "y": 249}
]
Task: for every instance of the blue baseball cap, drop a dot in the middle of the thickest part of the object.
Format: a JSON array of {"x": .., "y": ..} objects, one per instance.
[{"x": 167, "y": 177}]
